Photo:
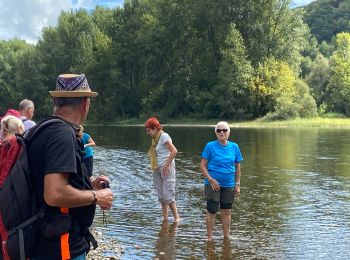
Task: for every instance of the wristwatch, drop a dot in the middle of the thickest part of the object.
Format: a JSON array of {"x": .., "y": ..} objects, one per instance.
[{"x": 238, "y": 183}]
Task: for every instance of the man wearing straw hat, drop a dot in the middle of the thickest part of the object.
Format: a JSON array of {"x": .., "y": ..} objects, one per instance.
[{"x": 59, "y": 177}]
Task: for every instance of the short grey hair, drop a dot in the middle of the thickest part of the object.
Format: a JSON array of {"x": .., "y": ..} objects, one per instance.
[
  {"x": 24, "y": 104},
  {"x": 68, "y": 101},
  {"x": 224, "y": 124}
]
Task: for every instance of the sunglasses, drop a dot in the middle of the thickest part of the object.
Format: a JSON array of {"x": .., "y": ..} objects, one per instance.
[{"x": 221, "y": 130}]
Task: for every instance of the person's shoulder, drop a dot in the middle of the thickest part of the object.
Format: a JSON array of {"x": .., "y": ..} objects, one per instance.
[
  {"x": 55, "y": 128},
  {"x": 29, "y": 123},
  {"x": 165, "y": 135}
]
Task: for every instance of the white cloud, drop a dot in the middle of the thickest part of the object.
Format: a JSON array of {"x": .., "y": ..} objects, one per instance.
[{"x": 24, "y": 19}]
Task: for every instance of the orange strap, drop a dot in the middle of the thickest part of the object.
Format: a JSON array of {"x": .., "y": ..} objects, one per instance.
[{"x": 65, "y": 252}]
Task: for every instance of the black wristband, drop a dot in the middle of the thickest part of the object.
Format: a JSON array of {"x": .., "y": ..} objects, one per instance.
[{"x": 95, "y": 198}]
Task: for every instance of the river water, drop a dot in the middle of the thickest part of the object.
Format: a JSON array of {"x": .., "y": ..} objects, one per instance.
[{"x": 294, "y": 202}]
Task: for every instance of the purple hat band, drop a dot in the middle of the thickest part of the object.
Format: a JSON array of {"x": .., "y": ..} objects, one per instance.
[{"x": 72, "y": 85}]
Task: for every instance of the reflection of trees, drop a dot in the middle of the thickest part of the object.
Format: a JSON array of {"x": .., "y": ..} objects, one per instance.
[
  {"x": 165, "y": 245},
  {"x": 272, "y": 160}
]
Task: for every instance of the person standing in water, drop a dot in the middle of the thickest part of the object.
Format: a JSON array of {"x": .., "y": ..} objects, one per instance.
[
  {"x": 220, "y": 165},
  {"x": 89, "y": 150},
  {"x": 162, "y": 153}
]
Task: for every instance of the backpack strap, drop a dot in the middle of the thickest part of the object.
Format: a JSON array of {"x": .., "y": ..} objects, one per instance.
[
  {"x": 90, "y": 238},
  {"x": 22, "y": 226},
  {"x": 34, "y": 131}
]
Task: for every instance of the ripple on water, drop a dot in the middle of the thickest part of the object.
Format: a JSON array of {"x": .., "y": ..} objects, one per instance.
[{"x": 282, "y": 213}]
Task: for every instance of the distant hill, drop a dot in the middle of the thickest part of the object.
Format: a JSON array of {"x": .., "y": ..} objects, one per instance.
[{"x": 326, "y": 18}]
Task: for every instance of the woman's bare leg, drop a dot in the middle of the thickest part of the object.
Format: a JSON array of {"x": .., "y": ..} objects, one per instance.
[
  {"x": 165, "y": 211},
  {"x": 210, "y": 220},
  {"x": 173, "y": 208},
  {"x": 226, "y": 222}
]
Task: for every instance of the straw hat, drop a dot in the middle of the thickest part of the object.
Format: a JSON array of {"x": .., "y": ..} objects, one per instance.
[{"x": 72, "y": 85}]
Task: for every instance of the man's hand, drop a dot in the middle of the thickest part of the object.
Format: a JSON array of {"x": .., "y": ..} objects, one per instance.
[
  {"x": 99, "y": 182},
  {"x": 104, "y": 198}
]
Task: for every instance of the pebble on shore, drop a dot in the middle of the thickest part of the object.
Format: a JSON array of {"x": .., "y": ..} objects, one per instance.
[{"x": 108, "y": 248}]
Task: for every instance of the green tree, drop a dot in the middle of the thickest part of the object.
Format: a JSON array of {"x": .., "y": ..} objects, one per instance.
[
  {"x": 30, "y": 80},
  {"x": 326, "y": 18},
  {"x": 339, "y": 85},
  {"x": 9, "y": 53},
  {"x": 306, "y": 103},
  {"x": 75, "y": 45},
  {"x": 318, "y": 78},
  {"x": 234, "y": 90},
  {"x": 326, "y": 49},
  {"x": 270, "y": 29},
  {"x": 274, "y": 87}
]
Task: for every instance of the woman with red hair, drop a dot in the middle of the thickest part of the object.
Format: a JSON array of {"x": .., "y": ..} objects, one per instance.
[{"x": 162, "y": 153}]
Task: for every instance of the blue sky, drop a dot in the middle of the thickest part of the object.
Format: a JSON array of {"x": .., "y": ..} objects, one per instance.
[
  {"x": 90, "y": 4},
  {"x": 24, "y": 19}
]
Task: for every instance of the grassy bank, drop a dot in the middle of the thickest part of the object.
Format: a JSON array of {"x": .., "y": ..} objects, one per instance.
[
  {"x": 317, "y": 122},
  {"x": 300, "y": 123}
]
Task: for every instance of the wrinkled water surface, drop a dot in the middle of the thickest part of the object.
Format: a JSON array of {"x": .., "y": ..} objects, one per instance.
[{"x": 294, "y": 203}]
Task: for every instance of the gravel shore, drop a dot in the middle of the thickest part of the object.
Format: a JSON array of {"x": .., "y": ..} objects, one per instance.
[{"x": 108, "y": 248}]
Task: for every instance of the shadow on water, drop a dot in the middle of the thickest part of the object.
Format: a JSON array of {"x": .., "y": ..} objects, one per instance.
[{"x": 294, "y": 201}]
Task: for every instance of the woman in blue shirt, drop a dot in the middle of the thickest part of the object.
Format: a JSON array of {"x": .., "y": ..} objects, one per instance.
[
  {"x": 220, "y": 165},
  {"x": 89, "y": 151}
]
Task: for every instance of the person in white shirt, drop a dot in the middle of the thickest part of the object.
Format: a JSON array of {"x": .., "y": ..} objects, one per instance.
[
  {"x": 26, "y": 108},
  {"x": 162, "y": 153}
]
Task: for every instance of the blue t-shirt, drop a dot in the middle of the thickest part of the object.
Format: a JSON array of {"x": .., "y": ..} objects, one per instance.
[
  {"x": 221, "y": 162},
  {"x": 89, "y": 151}
]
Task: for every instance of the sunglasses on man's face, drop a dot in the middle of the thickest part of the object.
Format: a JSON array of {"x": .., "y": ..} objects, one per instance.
[{"x": 221, "y": 130}]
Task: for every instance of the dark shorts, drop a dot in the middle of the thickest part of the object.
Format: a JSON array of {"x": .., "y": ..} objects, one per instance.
[{"x": 224, "y": 196}]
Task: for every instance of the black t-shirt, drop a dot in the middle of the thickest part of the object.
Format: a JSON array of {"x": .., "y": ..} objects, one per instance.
[{"x": 56, "y": 149}]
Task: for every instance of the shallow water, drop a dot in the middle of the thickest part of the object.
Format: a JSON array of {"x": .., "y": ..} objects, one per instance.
[{"x": 294, "y": 203}]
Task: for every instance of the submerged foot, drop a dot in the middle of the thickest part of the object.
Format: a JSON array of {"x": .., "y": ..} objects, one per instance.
[
  {"x": 177, "y": 219},
  {"x": 210, "y": 239}
]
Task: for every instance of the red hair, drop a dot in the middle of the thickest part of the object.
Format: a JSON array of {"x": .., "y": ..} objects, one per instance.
[{"x": 153, "y": 123}]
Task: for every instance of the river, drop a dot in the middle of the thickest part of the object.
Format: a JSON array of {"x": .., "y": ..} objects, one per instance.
[{"x": 294, "y": 202}]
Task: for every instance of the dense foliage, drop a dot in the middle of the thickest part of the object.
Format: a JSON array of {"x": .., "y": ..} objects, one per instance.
[
  {"x": 183, "y": 58},
  {"x": 326, "y": 18}
]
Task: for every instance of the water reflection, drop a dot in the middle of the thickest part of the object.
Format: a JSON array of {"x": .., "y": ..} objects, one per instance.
[
  {"x": 165, "y": 245},
  {"x": 294, "y": 202}
]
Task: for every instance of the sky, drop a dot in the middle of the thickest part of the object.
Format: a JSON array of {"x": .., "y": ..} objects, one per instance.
[{"x": 24, "y": 19}]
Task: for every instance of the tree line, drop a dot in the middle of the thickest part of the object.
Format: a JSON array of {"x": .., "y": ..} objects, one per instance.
[{"x": 229, "y": 59}]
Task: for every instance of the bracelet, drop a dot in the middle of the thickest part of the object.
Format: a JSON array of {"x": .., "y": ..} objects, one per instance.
[
  {"x": 211, "y": 178},
  {"x": 95, "y": 198}
]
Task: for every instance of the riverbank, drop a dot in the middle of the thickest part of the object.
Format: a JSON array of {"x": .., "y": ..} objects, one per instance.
[
  {"x": 317, "y": 122},
  {"x": 108, "y": 248}
]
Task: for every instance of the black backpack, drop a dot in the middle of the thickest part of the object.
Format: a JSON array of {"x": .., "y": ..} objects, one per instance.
[{"x": 19, "y": 211}]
